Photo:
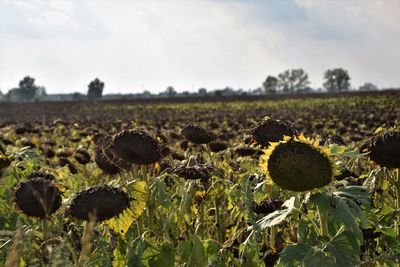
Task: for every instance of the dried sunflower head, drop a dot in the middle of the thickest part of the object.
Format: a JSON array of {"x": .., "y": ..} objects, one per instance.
[
  {"x": 197, "y": 134},
  {"x": 82, "y": 156},
  {"x": 4, "y": 162},
  {"x": 193, "y": 170},
  {"x": 298, "y": 164},
  {"x": 384, "y": 149},
  {"x": 105, "y": 202},
  {"x": 217, "y": 146},
  {"x": 37, "y": 197},
  {"x": 136, "y": 146},
  {"x": 270, "y": 130},
  {"x": 104, "y": 163},
  {"x": 266, "y": 206}
]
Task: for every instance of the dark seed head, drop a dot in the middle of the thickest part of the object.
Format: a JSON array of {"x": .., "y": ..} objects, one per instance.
[
  {"x": 298, "y": 166},
  {"x": 38, "y": 197},
  {"x": 246, "y": 150},
  {"x": 217, "y": 146},
  {"x": 266, "y": 207},
  {"x": 194, "y": 172},
  {"x": 197, "y": 134},
  {"x": 82, "y": 157},
  {"x": 104, "y": 163},
  {"x": 269, "y": 130},
  {"x": 4, "y": 162},
  {"x": 105, "y": 202},
  {"x": 136, "y": 146},
  {"x": 385, "y": 149}
]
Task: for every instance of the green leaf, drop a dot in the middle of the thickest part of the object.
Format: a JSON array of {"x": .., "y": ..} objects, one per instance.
[
  {"x": 166, "y": 257},
  {"x": 198, "y": 255},
  {"x": 293, "y": 255},
  {"x": 338, "y": 209},
  {"x": 344, "y": 247},
  {"x": 277, "y": 216}
]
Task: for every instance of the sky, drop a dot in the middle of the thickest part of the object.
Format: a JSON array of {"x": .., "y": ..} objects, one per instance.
[{"x": 148, "y": 45}]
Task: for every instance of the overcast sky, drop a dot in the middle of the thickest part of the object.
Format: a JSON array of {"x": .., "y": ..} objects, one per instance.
[{"x": 138, "y": 45}]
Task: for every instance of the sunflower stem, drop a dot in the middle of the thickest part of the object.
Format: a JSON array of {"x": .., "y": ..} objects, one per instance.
[
  {"x": 45, "y": 229},
  {"x": 202, "y": 226},
  {"x": 397, "y": 200},
  {"x": 86, "y": 239},
  {"x": 323, "y": 219},
  {"x": 272, "y": 237},
  {"x": 150, "y": 207},
  {"x": 218, "y": 221},
  {"x": 208, "y": 149}
]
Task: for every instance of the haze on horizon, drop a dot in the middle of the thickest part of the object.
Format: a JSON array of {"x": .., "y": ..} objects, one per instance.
[{"x": 148, "y": 45}]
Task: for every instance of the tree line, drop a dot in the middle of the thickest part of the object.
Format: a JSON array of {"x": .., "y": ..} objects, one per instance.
[{"x": 289, "y": 82}]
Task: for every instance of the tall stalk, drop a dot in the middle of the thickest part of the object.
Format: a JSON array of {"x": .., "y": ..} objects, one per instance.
[
  {"x": 150, "y": 208},
  {"x": 86, "y": 239},
  {"x": 323, "y": 219}
]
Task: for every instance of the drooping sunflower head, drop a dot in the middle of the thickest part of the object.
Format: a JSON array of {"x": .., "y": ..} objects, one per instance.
[
  {"x": 298, "y": 164},
  {"x": 194, "y": 172},
  {"x": 197, "y": 134},
  {"x": 136, "y": 146},
  {"x": 270, "y": 130},
  {"x": 110, "y": 204},
  {"x": 103, "y": 201},
  {"x": 37, "y": 197},
  {"x": 384, "y": 149},
  {"x": 4, "y": 162},
  {"x": 103, "y": 162}
]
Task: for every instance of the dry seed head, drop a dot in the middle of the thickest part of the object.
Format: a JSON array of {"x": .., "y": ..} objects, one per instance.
[
  {"x": 385, "y": 149},
  {"x": 104, "y": 163},
  {"x": 105, "y": 202},
  {"x": 136, "y": 146},
  {"x": 195, "y": 171},
  {"x": 4, "y": 162},
  {"x": 298, "y": 165},
  {"x": 37, "y": 197},
  {"x": 197, "y": 134},
  {"x": 270, "y": 130}
]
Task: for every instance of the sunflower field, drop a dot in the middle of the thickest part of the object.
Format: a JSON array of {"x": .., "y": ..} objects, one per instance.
[{"x": 283, "y": 182}]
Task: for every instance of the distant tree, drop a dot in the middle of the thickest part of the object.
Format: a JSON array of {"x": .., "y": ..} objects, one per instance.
[
  {"x": 202, "y": 92},
  {"x": 270, "y": 85},
  {"x": 95, "y": 89},
  {"x": 27, "y": 90},
  {"x": 291, "y": 81},
  {"x": 170, "y": 91},
  {"x": 368, "y": 87},
  {"x": 337, "y": 80}
]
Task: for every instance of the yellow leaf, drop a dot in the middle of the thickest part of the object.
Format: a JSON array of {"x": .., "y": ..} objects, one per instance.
[{"x": 138, "y": 192}]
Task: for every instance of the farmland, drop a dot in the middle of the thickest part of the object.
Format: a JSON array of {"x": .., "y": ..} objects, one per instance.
[{"x": 201, "y": 183}]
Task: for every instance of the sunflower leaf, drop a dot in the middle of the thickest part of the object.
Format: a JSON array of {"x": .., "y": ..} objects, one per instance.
[
  {"x": 138, "y": 191},
  {"x": 277, "y": 216}
]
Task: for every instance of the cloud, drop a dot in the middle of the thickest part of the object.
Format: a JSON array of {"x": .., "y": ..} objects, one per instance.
[
  {"x": 47, "y": 20},
  {"x": 137, "y": 45}
]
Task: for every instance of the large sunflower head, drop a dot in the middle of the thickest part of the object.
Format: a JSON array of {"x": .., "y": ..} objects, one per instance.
[
  {"x": 110, "y": 204},
  {"x": 136, "y": 146},
  {"x": 37, "y": 197},
  {"x": 298, "y": 164},
  {"x": 103, "y": 201},
  {"x": 384, "y": 149}
]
